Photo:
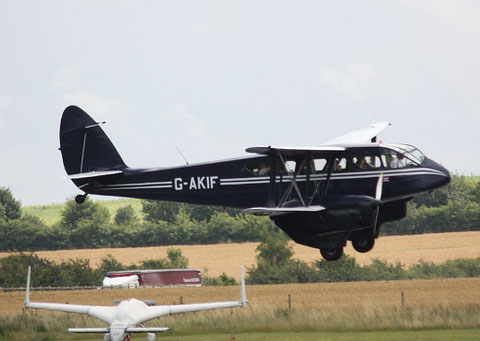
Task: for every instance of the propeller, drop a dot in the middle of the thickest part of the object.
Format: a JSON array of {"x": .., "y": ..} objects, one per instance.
[
  {"x": 378, "y": 197},
  {"x": 378, "y": 191}
]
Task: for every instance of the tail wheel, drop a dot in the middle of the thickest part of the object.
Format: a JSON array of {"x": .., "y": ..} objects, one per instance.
[
  {"x": 332, "y": 254},
  {"x": 363, "y": 245},
  {"x": 80, "y": 199}
]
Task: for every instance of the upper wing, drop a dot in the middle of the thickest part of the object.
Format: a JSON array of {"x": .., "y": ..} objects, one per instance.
[
  {"x": 269, "y": 150},
  {"x": 362, "y": 135},
  {"x": 156, "y": 311},
  {"x": 101, "y": 312}
]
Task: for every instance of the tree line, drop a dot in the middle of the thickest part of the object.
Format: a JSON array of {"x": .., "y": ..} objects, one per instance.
[
  {"x": 455, "y": 207},
  {"x": 275, "y": 265},
  {"x": 79, "y": 272}
]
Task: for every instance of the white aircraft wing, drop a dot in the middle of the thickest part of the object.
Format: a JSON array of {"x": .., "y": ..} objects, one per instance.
[
  {"x": 101, "y": 312},
  {"x": 152, "y": 312},
  {"x": 362, "y": 135}
]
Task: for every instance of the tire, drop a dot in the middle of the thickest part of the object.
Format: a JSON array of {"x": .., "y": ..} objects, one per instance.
[
  {"x": 80, "y": 199},
  {"x": 363, "y": 245},
  {"x": 332, "y": 254}
]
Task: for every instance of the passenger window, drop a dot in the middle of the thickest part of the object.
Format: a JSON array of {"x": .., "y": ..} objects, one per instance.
[
  {"x": 290, "y": 166},
  {"x": 258, "y": 168},
  {"x": 366, "y": 162},
  {"x": 340, "y": 164},
  {"x": 320, "y": 165}
]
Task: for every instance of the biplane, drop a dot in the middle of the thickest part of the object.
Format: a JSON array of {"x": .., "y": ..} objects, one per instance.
[{"x": 322, "y": 197}]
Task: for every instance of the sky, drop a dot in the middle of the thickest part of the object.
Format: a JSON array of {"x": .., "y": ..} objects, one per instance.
[{"x": 216, "y": 77}]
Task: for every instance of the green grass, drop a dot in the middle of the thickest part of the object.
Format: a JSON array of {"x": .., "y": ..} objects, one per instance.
[
  {"x": 423, "y": 322},
  {"x": 399, "y": 335},
  {"x": 450, "y": 334},
  {"x": 50, "y": 214}
]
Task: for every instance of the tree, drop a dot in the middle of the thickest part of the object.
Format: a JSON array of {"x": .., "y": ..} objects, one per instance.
[
  {"x": 176, "y": 259},
  {"x": 9, "y": 207},
  {"x": 155, "y": 211},
  {"x": 73, "y": 213},
  {"x": 476, "y": 192},
  {"x": 125, "y": 215},
  {"x": 274, "y": 249},
  {"x": 457, "y": 189},
  {"x": 109, "y": 263}
]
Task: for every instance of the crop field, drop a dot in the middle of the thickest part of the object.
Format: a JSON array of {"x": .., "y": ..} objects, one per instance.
[
  {"x": 219, "y": 258},
  {"x": 320, "y": 307}
]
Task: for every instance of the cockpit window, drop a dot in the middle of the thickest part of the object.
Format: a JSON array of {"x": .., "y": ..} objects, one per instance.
[
  {"x": 401, "y": 157},
  {"x": 409, "y": 151}
]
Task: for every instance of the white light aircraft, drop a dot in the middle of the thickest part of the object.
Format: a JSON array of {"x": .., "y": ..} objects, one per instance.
[{"x": 127, "y": 317}]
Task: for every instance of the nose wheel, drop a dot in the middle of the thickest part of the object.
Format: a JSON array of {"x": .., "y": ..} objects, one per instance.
[{"x": 332, "y": 254}]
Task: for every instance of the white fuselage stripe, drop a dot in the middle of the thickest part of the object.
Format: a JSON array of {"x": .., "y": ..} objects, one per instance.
[{"x": 287, "y": 178}]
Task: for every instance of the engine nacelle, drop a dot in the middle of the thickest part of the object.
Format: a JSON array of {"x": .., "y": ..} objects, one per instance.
[
  {"x": 150, "y": 337},
  {"x": 107, "y": 337}
]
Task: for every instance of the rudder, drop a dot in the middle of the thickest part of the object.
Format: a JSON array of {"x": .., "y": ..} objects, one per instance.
[{"x": 84, "y": 145}]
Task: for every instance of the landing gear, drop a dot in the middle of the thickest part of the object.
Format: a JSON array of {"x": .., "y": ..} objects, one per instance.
[
  {"x": 80, "y": 199},
  {"x": 363, "y": 245},
  {"x": 332, "y": 254}
]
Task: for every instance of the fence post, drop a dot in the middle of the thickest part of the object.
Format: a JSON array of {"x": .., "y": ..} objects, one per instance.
[
  {"x": 181, "y": 299},
  {"x": 289, "y": 303},
  {"x": 403, "y": 300}
]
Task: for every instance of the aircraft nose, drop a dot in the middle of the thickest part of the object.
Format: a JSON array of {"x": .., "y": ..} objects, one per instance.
[{"x": 445, "y": 175}]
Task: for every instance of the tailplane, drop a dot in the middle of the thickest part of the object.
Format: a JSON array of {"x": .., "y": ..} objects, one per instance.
[{"x": 84, "y": 145}]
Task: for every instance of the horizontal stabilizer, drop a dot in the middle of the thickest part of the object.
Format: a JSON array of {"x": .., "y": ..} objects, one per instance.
[
  {"x": 88, "y": 330},
  {"x": 88, "y": 175},
  {"x": 274, "y": 211},
  {"x": 147, "y": 330}
]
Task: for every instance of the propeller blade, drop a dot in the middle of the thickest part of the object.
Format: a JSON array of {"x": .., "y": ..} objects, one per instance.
[{"x": 378, "y": 191}]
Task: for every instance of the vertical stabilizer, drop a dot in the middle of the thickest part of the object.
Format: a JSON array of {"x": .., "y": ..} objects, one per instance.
[
  {"x": 27, "y": 288},
  {"x": 84, "y": 145},
  {"x": 243, "y": 292}
]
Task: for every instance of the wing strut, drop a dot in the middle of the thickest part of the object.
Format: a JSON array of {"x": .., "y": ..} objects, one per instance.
[{"x": 292, "y": 185}]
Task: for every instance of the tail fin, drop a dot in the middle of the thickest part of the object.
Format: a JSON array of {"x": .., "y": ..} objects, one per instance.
[
  {"x": 84, "y": 145},
  {"x": 243, "y": 291},
  {"x": 27, "y": 288}
]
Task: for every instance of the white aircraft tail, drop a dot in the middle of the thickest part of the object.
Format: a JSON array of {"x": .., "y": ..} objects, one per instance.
[
  {"x": 243, "y": 291},
  {"x": 27, "y": 288}
]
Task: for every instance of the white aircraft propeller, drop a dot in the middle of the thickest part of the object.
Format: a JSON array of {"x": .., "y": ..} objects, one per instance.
[
  {"x": 378, "y": 191},
  {"x": 378, "y": 197}
]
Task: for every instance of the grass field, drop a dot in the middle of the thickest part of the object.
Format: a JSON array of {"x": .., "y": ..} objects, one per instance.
[
  {"x": 218, "y": 258},
  {"x": 50, "y": 214},
  {"x": 328, "y": 308},
  {"x": 393, "y": 335}
]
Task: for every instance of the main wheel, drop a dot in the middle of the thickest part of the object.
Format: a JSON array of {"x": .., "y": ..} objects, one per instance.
[
  {"x": 363, "y": 245},
  {"x": 332, "y": 254}
]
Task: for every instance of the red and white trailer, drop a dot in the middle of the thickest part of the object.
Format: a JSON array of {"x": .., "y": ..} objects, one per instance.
[{"x": 160, "y": 277}]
